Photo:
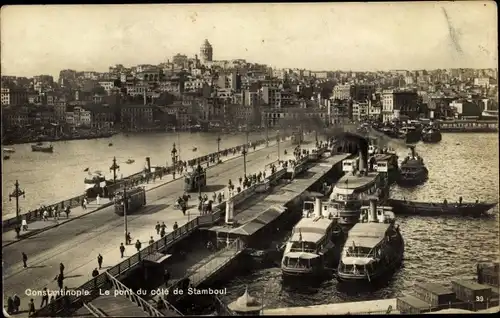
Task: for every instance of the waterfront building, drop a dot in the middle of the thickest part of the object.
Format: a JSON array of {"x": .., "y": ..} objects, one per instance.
[
  {"x": 274, "y": 117},
  {"x": 137, "y": 116},
  {"x": 398, "y": 103},
  {"x": 13, "y": 96}
]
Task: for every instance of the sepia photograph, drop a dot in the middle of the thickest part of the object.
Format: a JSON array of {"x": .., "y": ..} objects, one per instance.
[{"x": 244, "y": 159}]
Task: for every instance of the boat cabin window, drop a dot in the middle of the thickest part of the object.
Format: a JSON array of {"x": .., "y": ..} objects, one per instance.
[
  {"x": 358, "y": 251},
  {"x": 296, "y": 262},
  {"x": 303, "y": 247},
  {"x": 308, "y": 206}
]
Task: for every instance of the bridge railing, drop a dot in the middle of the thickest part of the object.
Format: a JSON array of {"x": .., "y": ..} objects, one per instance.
[
  {"x": 198, "y": 275},
  {"x": 133, "y": 297},
  {"x": 136, "y": 179}
]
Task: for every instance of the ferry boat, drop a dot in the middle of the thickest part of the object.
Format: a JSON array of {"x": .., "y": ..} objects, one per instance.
[
  {"x": 374, "y": 248},
  {"x": 351, "y": 191},
  {"x": 40, "y": 147},
  {"x": 310, "y": 250},
  {"x": 410, "y": 134},
  {"x": 130, "y": 161},
  {"x": 94, "y": 184},
  {"x": 385, "y": 161},
  {"x": 412, "y": 170},
  {"x": 431, "y": 135},
  {"x": 9, "y": 150}
]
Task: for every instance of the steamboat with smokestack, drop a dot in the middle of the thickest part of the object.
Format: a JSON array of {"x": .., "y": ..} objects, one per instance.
[
  {"x": 374, "y": 248},
  {"x": 412, "y": 171},
  {"x": 351, "y": 192},
  {"x": 431, "y": 134},
  {"x": 313, "y": 247}
]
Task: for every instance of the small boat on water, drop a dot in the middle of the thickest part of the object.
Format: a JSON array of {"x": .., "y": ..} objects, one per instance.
[
  {"x": 9, "y": 150},
  {"x": 110, "y": 144},
  {"x": 310, "y": 250},
  {"x": 40, "y": 147},
  {"x": 476, "y": 209},
  {"x": 194, "y": 148},
  {"x": 130, "y": 161},
  {"x": 6, "y": 157},
  {"x": 410, "y": 134},
  {"x": 412, "y": 171},
  {"x": 374, "y": 248},
  {"x": 431, "y": 135}
]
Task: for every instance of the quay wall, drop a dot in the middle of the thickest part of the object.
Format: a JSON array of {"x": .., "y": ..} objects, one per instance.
[{"x": 134, "y": 179}]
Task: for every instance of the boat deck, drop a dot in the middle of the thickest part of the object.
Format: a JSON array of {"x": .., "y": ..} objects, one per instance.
[{"x": 348, "y": 181}]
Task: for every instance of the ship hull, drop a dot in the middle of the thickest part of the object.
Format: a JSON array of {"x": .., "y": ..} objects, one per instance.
[
  {"x": 413, "y": 180},
  {"x": 440, "y": 209},
  {"x": 382, "y": 275},
  {"x": 431, "y": 138},
  {"x": 42, "y": 149}
]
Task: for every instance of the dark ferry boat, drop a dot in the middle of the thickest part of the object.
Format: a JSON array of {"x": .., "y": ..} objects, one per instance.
[
  {"x": 431, "y": 135},
  {"x": 374, "y": 248},
  {"x": 410, "y": 134},
  {"x": 412, "y": 170}
]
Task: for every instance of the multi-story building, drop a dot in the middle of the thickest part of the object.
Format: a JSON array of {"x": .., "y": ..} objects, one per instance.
[
  {"x": 271, "y": 96},
  {"x": 180, "y": 60},
  {"x": 137, "y": 116},
  {"x": 342, "y": 92},
  {"x": 482, "y": 81},
  {"x": 398, "y": 103},
  {"x": 103, "y": 118},
  {"x": 107, "y": 85},
  {"x": 276, "y": 117},
  {"x": 13, "y": 96}
]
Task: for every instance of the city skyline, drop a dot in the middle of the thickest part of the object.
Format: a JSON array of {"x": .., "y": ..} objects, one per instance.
[{"x": 322, "y": 36}]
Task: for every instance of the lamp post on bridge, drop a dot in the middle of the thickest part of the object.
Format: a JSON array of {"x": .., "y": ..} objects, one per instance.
[
  {"x": 114, "y": 167},
  {"x": 278, "y": 141},
  {"x": 218, "y": 149},
  {"x": 174, "y": 159},
  {"x": 17, "y": 193},
  {"x": 125, "y": 220}
]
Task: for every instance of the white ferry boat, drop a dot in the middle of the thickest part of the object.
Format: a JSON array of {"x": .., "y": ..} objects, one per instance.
[
  {"x": 374, "y": 247},
  {"x": 310, "y": 250},
  {"x": 353, "y": 189}
]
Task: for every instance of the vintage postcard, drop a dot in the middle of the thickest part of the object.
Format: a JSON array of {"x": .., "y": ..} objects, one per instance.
[{"x": 250, "y": 159}]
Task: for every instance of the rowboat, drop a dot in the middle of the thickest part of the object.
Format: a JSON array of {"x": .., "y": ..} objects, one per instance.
[
  {"x": 39, "y": 147},
  {"x": 9, "y": 150},
  {"x": 404, "y": 207}
]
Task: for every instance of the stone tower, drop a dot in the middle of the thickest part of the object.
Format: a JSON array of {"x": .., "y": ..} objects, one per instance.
[{"x": 206, "y": 52}]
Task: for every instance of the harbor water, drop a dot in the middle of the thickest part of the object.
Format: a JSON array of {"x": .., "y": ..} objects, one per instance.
[
  {"x": 51, "y": 177},
  {"x": 436, "y": 249}
]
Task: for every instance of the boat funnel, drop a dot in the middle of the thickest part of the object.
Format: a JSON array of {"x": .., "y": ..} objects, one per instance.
[
  {"x": 412, "y": 149},
  {"x": 318, "y": 208},
  {"x": 148, "y": 164},
  {"x": 229, "y": 211},
  {"x": 372, "y": 215}
]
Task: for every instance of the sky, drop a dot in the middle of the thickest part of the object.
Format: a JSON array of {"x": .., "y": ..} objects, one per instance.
[{"x": 316, "y": 36}]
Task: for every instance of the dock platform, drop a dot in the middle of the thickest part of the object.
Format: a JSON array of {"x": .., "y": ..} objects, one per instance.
[{"x": 377, "y": 307}]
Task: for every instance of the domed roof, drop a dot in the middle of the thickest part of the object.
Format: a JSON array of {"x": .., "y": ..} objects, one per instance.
[
  {"x": 245, "y": 303},
  {"x": 206, "y": 44}
]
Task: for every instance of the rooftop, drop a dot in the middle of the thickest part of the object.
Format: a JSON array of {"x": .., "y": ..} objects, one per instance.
[{"x": 348, "y": 181}]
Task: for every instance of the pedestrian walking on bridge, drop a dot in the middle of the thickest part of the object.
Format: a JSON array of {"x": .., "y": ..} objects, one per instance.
[
  {"x": 25, "y": 259},
  {"x": 158, "y": 227},
  {"x": 95, "y": 273},
  {"x": 175, "y": 227},
  {"x": 122, "y": 249},
  {"x": 17, "y": 303},
  {"x": 61, "y": 268},
  {"x": 138, "y": 245},
  {"x": 151, "y": 241},
  {"x": 99, "y": 260},
  {"x": 45, "y": 297},
  {"x": 60, "y": 279},
  {"x": 31, "y": 307},
  {"x": 163, "y": 226},
  {"x": 67, "y": 210},
  {"x": 129, "y": 239}
]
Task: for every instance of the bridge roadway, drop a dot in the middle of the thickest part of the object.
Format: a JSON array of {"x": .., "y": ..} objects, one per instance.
[{"x": 76, "y": 244}]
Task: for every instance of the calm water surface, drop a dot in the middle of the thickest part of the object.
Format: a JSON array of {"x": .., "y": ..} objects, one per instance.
[
  {"x": 437, "y": 249},
  {"x": 50, "y": 178}
]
